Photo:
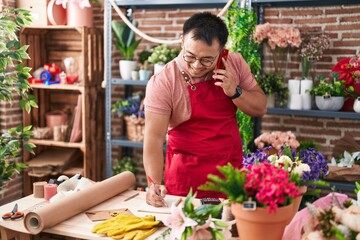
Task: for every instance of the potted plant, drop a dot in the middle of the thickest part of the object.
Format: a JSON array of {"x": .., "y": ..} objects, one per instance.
[
  {"x": 132, "y": 110},
  {"x": 161, "y": 55},
  {"x": 261, "y": 198},
  {"x": 125, "y": 42},
  {"x": 274, "y": 88},
  {"x": 144, "y": 72},
  {"x": 14, "y": 75},
  {"x": 330, "y": 95}
]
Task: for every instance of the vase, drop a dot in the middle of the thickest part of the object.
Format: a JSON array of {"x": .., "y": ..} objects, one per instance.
[
  {"x": 270, "y": 101},
  {"x": 307, "y": 68},
  {"x": 158, "y": 67},
  {"x": 356, "y": 105},
  {"x": 77, "y": 16},
  {"x": 305, "y": 86},
  {"x": 258, "y": 224},
  {"x": 349, "y": 103}
]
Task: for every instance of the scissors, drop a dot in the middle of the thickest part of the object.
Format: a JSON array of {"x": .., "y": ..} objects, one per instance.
[{"x": 14, "y": 214}]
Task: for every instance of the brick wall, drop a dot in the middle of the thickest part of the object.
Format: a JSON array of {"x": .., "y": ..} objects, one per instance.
[{"x": 342, "y": 24}]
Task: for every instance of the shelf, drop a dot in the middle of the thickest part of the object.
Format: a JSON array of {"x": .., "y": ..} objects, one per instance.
[
  {"x": 119, "y": 81},
  {"x": 300, "y": 3},
  {"x": 71, "y": 87},
  {"x": 313, "y": 113},
  {"x": 126, "y": 143},
  {"x": 158, "y": 4},
  {"x": 143, "y": 4},
  {"x": 46, "y": 142}
]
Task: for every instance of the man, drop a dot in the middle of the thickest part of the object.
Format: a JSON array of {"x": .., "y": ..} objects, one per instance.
[{"x": 195, "y": 104}]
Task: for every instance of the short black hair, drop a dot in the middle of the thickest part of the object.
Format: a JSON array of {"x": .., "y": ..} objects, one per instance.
[{"x": 206, "y": 26}]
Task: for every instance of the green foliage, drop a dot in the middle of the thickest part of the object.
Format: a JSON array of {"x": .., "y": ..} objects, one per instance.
[
  {"x": 241, "y": 24},
  {"x": 357, "y": 187},
  {"x": 125, "y": 40},
  {"x": 273, "y": 83},
  {"x": 13, "y": 80},
  {"x": 306, "y": 145},
  {"x": 232, "y": 186},
  {"x": 125, "y": 164},
  {"x": 334, "y": 87},
  {"x": 162, "y": 53},
  {"x": 143, "y": 56}
]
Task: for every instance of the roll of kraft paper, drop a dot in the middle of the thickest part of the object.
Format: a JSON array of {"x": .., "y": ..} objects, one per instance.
[{"x": 54, "y": 213}]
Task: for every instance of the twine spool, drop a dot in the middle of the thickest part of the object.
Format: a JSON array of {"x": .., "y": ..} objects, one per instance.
[
  {"x": 49, "y": 191},
  {"x": 38, "y": 189}
]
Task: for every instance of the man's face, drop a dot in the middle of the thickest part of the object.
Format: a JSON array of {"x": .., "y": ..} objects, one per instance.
[{"x": 199, "y": 57}]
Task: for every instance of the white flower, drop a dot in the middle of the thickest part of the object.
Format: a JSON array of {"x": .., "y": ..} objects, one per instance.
[
  {"x": 285, "y": 161},
  {"x": 300, "y": 169}
]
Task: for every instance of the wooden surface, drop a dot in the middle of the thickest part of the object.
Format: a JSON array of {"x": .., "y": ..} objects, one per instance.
[
  {"x": 52, "y": 45},
  {"x": 79, "y": 226}
]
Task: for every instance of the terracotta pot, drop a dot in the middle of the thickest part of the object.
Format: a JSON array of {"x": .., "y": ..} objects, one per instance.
[
  {"x": 259, "y": 224},
  {"x": 297, "y": 200},
  {"x": 77, "y": 16}
]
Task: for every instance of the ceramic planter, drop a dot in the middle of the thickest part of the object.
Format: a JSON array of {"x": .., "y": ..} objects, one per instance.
[
  {"x": 329, "y": 103},
  {"x": 77, "y": 16},
  {"x": 144, "y": 75},
  {"x": 259, "y": 224},
  {"x": 126, "y": 67}
]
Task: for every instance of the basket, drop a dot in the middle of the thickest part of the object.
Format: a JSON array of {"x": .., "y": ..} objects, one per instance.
[{"x": 135, "y": 128}]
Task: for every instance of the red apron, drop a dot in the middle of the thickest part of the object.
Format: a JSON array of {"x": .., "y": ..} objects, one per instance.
[{"x": 210, "y": 138}]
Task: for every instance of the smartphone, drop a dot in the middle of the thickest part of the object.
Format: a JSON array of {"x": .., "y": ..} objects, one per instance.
[{"x": 224, "y": 53}]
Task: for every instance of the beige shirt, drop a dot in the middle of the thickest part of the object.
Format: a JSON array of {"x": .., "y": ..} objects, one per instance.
[{"x": 167, "y": 94}]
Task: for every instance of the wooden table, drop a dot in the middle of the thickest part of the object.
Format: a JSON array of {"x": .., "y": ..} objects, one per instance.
[{"x": 78, "y": 226}]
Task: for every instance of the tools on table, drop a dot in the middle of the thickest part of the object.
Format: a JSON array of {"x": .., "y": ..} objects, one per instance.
[{"x": 14, "y": 214}]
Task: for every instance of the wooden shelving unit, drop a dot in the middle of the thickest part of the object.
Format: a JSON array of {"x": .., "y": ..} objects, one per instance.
[{"x": 51, "y": 45}]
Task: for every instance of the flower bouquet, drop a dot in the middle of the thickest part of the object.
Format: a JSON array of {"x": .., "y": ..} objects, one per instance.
[
  {"x": 278, "y": 39},
  {"x": 277, "y": 139},
  {"x": 339, "y": 220},
  {"x": 311, "y": 50},
  {"x": 188, "y": 222}
]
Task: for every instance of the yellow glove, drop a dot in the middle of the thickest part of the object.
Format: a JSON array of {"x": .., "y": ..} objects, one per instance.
[
  {"x": 136, "y": 234},
  {"x": 126, "y": 226}
]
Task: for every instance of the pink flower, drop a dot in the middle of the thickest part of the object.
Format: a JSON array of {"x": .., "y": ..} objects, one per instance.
[
  {"x": 177, "y": 221},
  {"x": 277, "y": 139},
  {"x": 200, "y": 232}
]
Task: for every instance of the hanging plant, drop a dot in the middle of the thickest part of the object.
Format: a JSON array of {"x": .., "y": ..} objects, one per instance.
[{"x": 241, "y": 24}]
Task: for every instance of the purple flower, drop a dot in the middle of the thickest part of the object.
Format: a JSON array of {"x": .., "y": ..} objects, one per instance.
[{"x": 317, "y": 163}]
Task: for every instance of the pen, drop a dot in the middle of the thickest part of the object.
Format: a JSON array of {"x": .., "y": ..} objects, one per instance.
[{"x": 156, "y": 190}]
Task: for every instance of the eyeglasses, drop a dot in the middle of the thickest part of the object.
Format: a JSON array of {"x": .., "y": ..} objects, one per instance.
[{"x": 205, "y": 61}]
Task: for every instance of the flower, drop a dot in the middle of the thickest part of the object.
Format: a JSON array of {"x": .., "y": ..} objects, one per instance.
[
  {"x": 188, "y": 222},
  {"x": 309, "y": 164},
  {"x": 274, "y": 36},
  {"x": 278, "y": 39},
  {"x": 263, "y": 184},
  {"x": 349, "y": 70},
  {"x": 339, "y": 219},
  {"x": 130, "y": 106},
  {"x": 311, "y": 49},
  {"x": 277, "y": 139},
  {"x": 162, "y": 53},
  {"x": 82, "y": 3},
  {"x": 313, "y": 45}
]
